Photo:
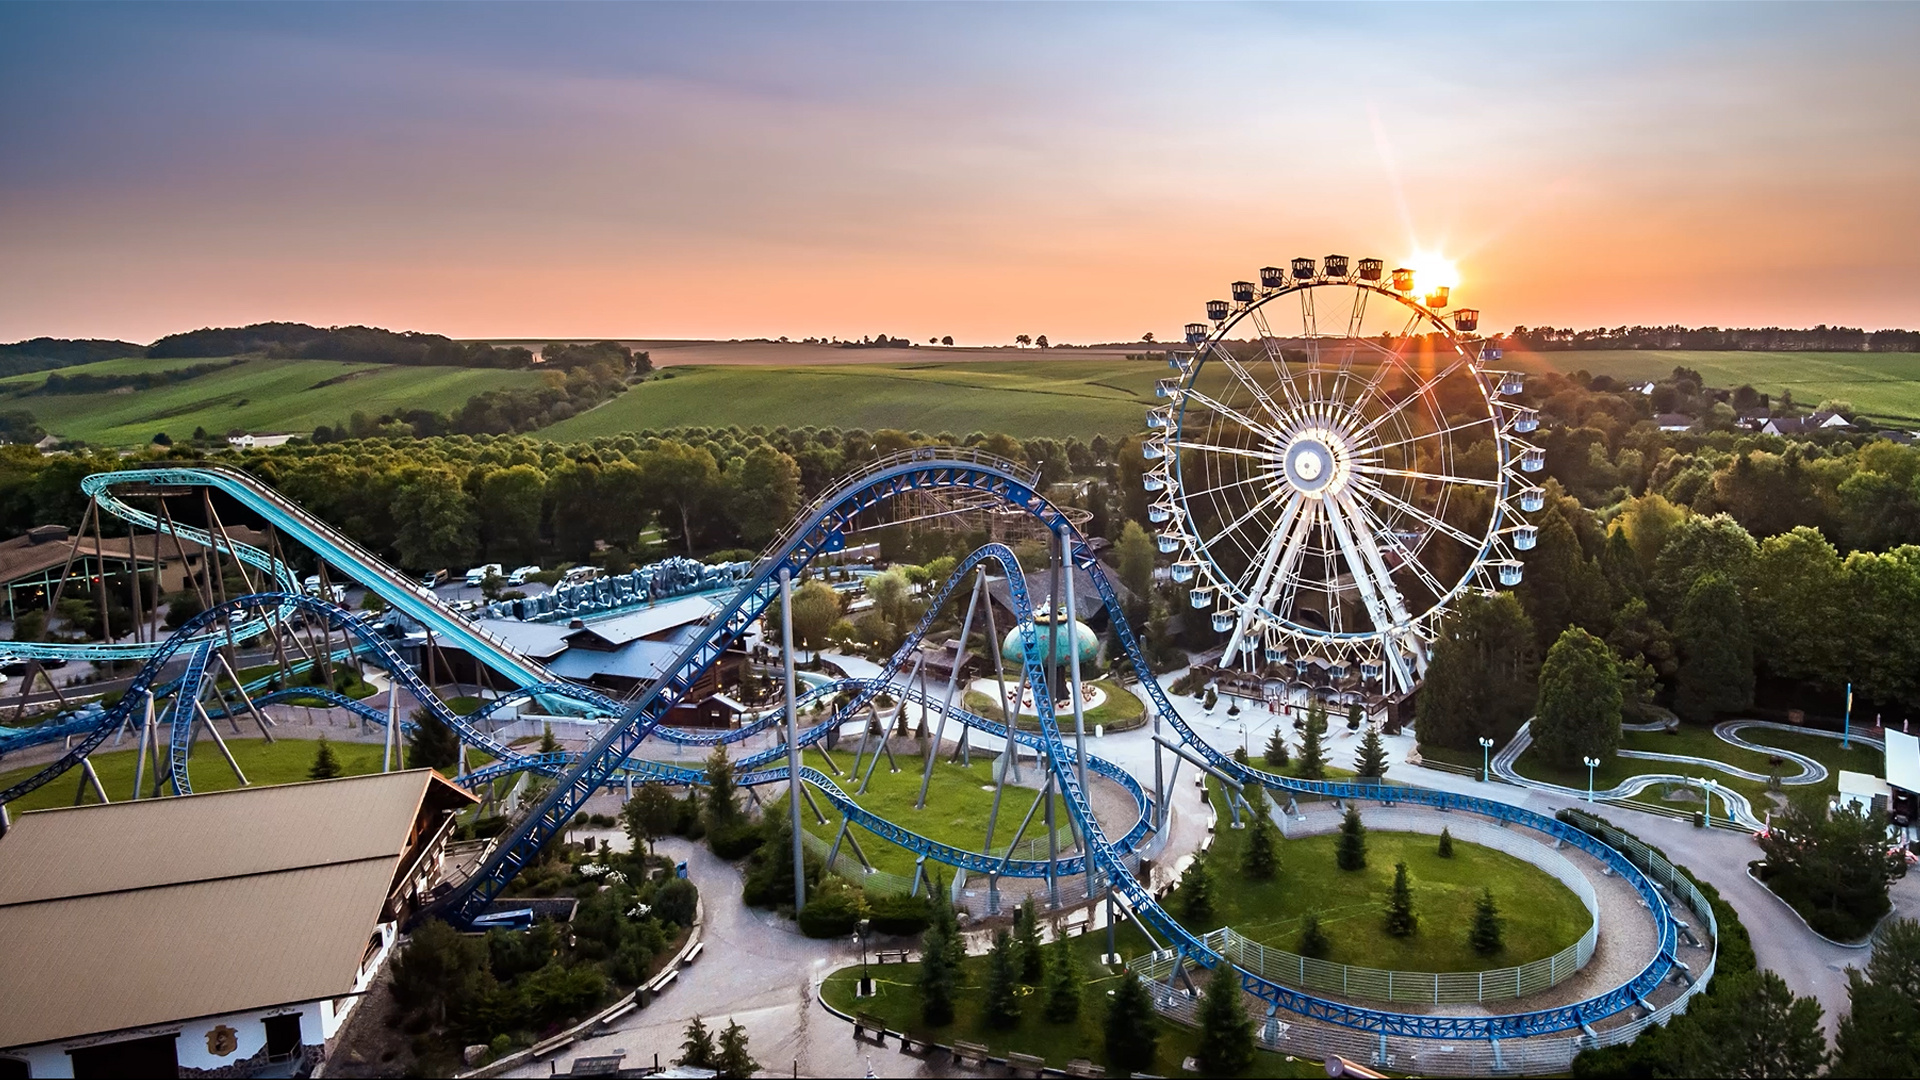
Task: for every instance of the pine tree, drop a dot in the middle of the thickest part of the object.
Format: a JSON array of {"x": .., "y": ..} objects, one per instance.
[
  {"x": 697, "y": 1051},
  {"x": 1132, "y": 1036},
  {"x": 1313, "y": 940},
  {"x": 1226, "y": 1031},
  {"x": 1003, "y": 998},
  {"x": 1029, "y": 959},
  {"x": 1213, "y": 698},
  {"x": 1486, "y": 934},
  {"x": 1259, "y": 861},
  {"x": 433, "y": 745},
  {"x": 550, "y": 745},
  {"x": 1277, "y": 757},
  {"x": 1313, "y": 756},
  {"x": 937, "y": 978},
  {"x": 1196, "y": 891},
  {"x": 1354, "y": 716},
  {"x": 1446, "y": 843},
  {"x": 720, "y": 808},
  {"x": 1351, "y": 854},
  {"x": 326, "y": 764},
  {"x": 734, "y": 1063},
  {"x": 1063, "y": 982},
  {"x": 1371, "y": 761},
  {"x": 1400, "y": 918},
  {"x": 1876, "y": 1037}
]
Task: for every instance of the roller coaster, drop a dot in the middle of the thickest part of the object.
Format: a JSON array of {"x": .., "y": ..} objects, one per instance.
[{"x": 612, "y": 757}]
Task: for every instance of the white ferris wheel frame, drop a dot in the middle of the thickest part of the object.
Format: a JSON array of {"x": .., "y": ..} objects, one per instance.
[{"x": 1323, "y": 477}]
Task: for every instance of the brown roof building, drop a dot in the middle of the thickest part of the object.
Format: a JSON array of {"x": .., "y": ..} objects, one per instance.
[
  {"x": 30, "y": 565},
  {"x": 231, "y": 931}
]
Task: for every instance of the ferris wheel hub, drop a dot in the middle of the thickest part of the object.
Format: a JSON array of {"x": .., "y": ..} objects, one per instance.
[{"x": 1314, "y": 463}]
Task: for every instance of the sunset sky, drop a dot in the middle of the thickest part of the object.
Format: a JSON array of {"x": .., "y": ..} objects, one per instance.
[{"x": 1083, "y": 171}]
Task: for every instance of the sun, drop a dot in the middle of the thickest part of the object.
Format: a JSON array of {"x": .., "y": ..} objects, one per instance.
[{"x": 1432, "y": 270}]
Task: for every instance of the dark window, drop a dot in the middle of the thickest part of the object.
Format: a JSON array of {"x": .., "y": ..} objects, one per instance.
[
  {"x": 283, "y": 1037},
  {"x": 135, "y": 1057}
]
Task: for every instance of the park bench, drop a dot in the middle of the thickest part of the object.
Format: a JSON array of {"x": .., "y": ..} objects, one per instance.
[
  {"x": 599, "y": 1065},
  {"x": 918, "y": 1043},
  {"x": 1086, "y": 1070},
  {"x": 1026, "y": 1065},
  {"x": 866, "y": 1025},
  {"x": 969, "y": 1053},
  {"x": 694, "y": 953},
  {"x": 891, "y": 956}
]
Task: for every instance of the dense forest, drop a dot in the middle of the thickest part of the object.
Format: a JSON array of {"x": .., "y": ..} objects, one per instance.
[
  {"x": 359, "y": 344},
  {"x": 1820, "y": 338},
  {"x": 43, "y": 353}
]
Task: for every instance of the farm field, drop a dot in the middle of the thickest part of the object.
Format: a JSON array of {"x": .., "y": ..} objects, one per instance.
[
  {"x": 1039, "y": 397},
  {"x": 256, "y": 395},
  {"x": 1884, "y": 386}
]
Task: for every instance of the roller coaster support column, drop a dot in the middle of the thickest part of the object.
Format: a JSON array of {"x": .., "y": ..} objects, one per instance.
[
  {"x": 793, "y": 739},
  {"x": 393, "y": 723},
  {"x": 1073, "y": 687},
  {"x": 146, "y": 739},
  {"x": 946, "y": 703},
  {"x": 1007, "y": 711}
]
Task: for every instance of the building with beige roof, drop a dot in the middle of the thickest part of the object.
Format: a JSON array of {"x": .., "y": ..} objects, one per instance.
[{"x": 225, "y": 934}]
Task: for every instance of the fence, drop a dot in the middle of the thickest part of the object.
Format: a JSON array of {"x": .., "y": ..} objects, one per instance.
[{"x": 1540, "y": 1054}]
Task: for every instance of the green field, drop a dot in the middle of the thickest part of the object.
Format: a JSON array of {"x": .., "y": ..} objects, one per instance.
[
  {"x": 1884, "y": 386},
  {"x": 283, "y": 762},
  {"x": 258, "y": 395},
  {"x": 1054, "y": 398},
  {"x": 1121, "y": 711},
  {"x": 897, "y": 1001},
  {"x": 1542, "y": 916},
  {"x": 958, "y": 802}
]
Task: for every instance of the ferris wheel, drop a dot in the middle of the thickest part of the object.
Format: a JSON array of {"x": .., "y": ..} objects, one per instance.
[{"x": 1333, "y": 465}]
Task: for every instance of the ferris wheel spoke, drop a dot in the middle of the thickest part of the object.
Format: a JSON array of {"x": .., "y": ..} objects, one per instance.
[
  {"x": 1411, "y": 474},
  {"x": 1252, "y": 512},
  {"x": 1376, "y": 593},
  {"x": 1238, "y": 451},
  {"x": 1382, "y": 494},
  {"x": 1418, "y": 394},
  {"x": 1218, "y": 488},
  {"x": 1232, "y": 413},
  {"x": 1240, "y": 372},
  {"x": 1377, "y": 526},
  {"x": 1269, "y": 560},
  {"x": 1373, "y": 562},
  {"x": 1277, "y": 360},
  {"x": 1431, "y": 433}
]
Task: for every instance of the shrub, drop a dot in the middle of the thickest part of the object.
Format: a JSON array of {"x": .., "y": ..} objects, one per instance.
[
  {"x": 900, "y": 914},
  {"x": 676, "y": 902},
  {"x": 735, "y": 839},
  {"x": 835, "y": 910}
]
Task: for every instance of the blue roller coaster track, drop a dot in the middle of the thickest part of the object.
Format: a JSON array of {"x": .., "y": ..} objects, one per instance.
[{"x": 821, "y": 528}]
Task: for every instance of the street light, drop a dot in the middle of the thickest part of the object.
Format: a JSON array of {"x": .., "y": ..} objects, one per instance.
[
  {"x": 1486, "y": 758},
  {"x": 866, "y": 978},
  {"x": 1592, "y": 763}
]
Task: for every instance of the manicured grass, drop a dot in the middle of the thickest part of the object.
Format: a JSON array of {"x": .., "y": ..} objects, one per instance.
[
  {"x": 1885, "y": 386},
  {"x": 257, "y": 395},
  {"x": 958, "y": 801},
  {"x": 1056, "y": 398},
  {"x": 1542, "y": 915},
  {"x": 1859, "y": 757},
  {"x": 1121, "y": 711},
  {"x": 897, "y": 1001},
  {"x": 1696, "y": 741},
  {"x": 285, "y": 761}
]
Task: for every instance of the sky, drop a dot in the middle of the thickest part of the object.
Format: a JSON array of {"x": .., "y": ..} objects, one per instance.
[{"x": 1085, "y": 171}]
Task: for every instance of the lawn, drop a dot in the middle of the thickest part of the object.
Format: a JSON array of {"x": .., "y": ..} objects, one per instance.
[
  {"x": 257, "y": 395},
  {"x": 958, "y": 802},
  {"x": 1055, "y": 398},
  {"x": 1859, "y": 757},
  {"x": 1121, "y": 711},
  {"x": 1542, "y": 915},
  {"x": 283, "y": 762},
  {"x": 1884, "y": 386},
  {"x": 897, "y": 1000},
  {"x": 1697, "y": 741}
]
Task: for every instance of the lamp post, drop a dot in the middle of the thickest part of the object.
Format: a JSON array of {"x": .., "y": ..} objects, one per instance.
[
  {"x": 1846, "y": 722},
  {"x": 1486, "y": 758},
  {"x": 866, "y": 978},
  {"x": 1591, "y": 763}
]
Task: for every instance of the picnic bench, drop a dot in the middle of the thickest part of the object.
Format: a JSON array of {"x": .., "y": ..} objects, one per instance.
[{"x": 866, "y": 1025}]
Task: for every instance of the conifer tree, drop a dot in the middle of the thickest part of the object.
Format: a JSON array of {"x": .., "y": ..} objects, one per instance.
[
  {"x": 1485, "y": 936},
  {"x": 937, "y": 977},
  {"x": 1259, "y": 861},
  {"x": 1029, "y": 959},
  {"x": 1132, "y": 1036},
  {"x": 1371, "y": 761},
  {"x": 697, "y": 1052},
  {"x": 1351, "y": 853},
  {"x": 1063, "y": 982},
  {"x": 326, "y": 764},
  {"x": 1003, "y": 998},
  {"x": 1277, "y": 757},
  {"x": 1313, "y": 940},
  {"x": 1196, "y": 890},
  {"x": 551, "y": 745},
  {"x": 1401, "y": 921},
  {"x": 734, "y": 1063},
  {"x": 1226, "y": 1031},
  {"x": 432, "y": 745},
  {"x": 720, "y": 808},
  {"x": 1313, "y": 755},
  {"x": 1354, "y": 716},
  {"x": 1446, "y": 843}
]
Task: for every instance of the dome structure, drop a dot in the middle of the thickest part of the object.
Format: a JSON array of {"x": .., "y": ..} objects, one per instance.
[{"x": 1078, "y": 636}]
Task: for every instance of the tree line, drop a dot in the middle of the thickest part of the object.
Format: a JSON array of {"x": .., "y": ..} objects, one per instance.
[{"x": 1820, "y": 338}]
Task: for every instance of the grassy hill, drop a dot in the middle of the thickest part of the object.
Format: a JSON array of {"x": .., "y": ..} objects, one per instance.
[
  {"x": 1040, "y": 397},
  {"x": 1884, "y": 386},
  {"x": 255, "y": 395}
]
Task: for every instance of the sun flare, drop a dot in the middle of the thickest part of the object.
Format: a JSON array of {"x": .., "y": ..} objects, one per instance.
[{"x": 1431, "y": 270}]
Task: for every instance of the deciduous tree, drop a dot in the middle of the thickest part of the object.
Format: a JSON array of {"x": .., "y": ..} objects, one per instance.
[
  {"x": 1716, "y": 654},
  {"x": 1578, "y": 714}
]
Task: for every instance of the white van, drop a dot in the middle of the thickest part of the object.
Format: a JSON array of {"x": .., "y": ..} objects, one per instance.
[
  {"x": 481, "y": 573},
  {"x": 522, "y": 573}
]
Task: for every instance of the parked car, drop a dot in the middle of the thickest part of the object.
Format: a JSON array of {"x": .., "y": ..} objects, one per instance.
[
  {"x": 435, "y": 578},
  {"x": 481, "y": 573},
  {"x": 522, "y": 573}
]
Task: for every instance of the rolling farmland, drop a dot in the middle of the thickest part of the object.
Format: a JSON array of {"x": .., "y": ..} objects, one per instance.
[
  {"x": 1884, "y": 386},
  {"x": 257, "y": 395}
]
